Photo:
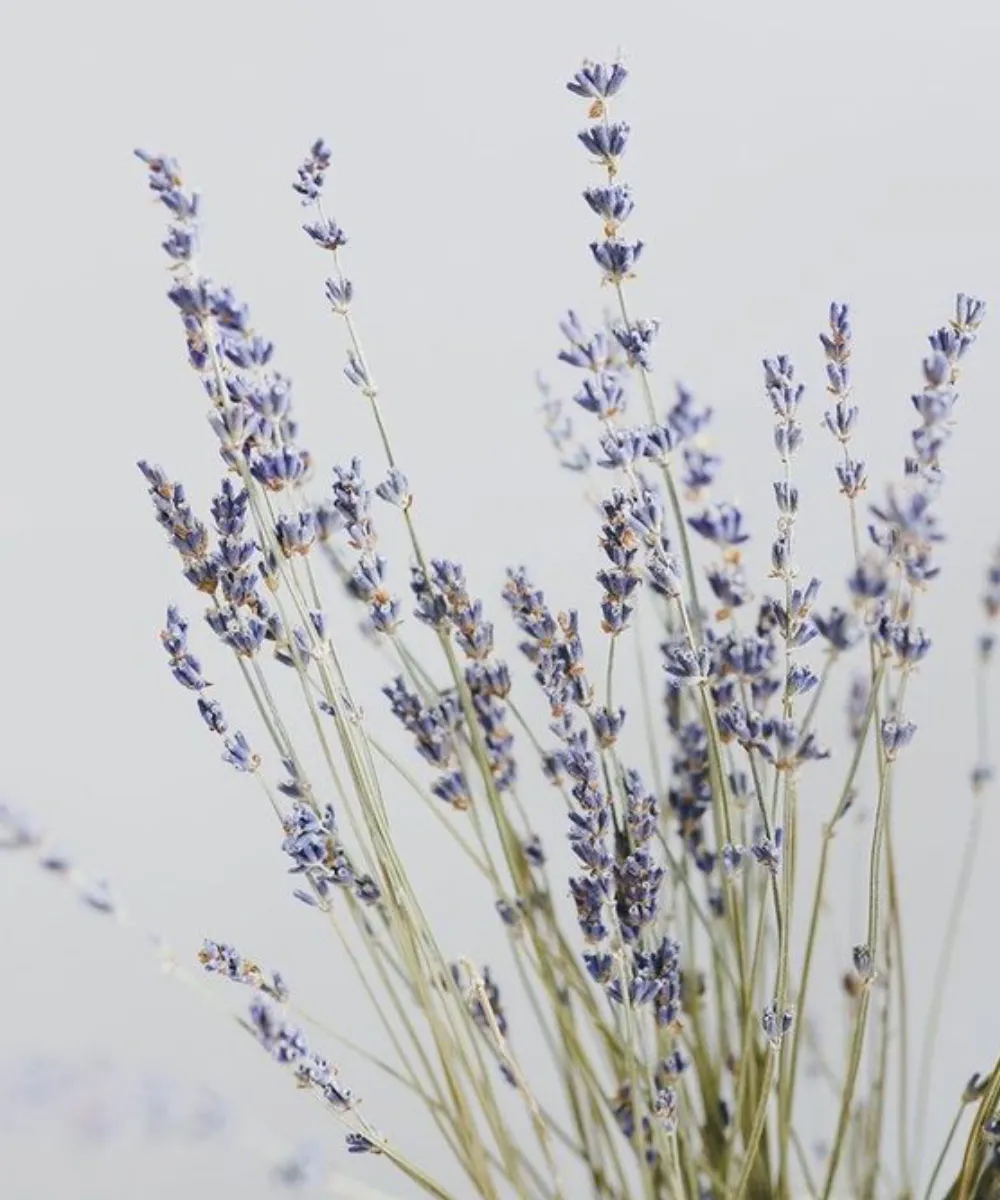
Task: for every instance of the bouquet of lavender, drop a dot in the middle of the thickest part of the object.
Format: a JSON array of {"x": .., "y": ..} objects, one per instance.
[{"x": 665, "y": 958}]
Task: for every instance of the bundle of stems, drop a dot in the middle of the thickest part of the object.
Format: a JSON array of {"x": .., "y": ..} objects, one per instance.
[{"x": 670, "y": 978}]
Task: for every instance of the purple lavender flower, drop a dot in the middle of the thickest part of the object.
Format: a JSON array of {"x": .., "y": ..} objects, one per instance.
[
  {"x": 340, "y": 293},
  {"x": 616, "y": 258},
  {"x": 219, "y": 958},
  {"x": 325, "y": 233},
  {"x": 360, "y": 1143},
  {"x": 613, "y": 203},
  {"x": 357, "y": 373},
  {"x": 590, "y": 352},
  {"x": 637, "y": 886},
  {"x": 395, "y": 489},
  {"x": 661, "y": 440},
  {"x": 184, "y": 667},
  {"x": 166, "y": 183},
  {"x": 637, "y": 341},
  {"x": 606, "y": 142},
  {"x": 733, "y": 858},
  {"x": 598, "y": 81},
  {"x": 296, "y": 534},
  {"x": 212, "y": 715},
  {"x": 603, "y": 395},
  {"x": 686, "y": 666},
  {"x": 776, "y": 1025},
  {"x": 864, "y": 965},
  {"x": 896, "y": 735},
  {"x": 767, "y": 851},
  {"x": 239, "y": 755},
  {"x": 280, "y": 469},
  {"x": 187, "y": 533},
  {"x": 700, "y": 469},
  {"x": 782, "y": 390},
  {"x": 623, "y": 447},
  {"x": 285, "y": 1043},
  {"x": 721, "y": 524},
  {"x": 311, "y": 173}
]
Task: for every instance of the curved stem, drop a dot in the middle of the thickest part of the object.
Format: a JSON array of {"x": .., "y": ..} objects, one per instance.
[{"x": 987, "y": 1106}]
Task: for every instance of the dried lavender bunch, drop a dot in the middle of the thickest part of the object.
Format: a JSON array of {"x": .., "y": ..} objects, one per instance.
[{"x": 677, "y": 1013}]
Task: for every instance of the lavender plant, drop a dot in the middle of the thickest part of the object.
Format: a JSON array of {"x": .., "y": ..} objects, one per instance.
[{"x": 670, "y": 976}]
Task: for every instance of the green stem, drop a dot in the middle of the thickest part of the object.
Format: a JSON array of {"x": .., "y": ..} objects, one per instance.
[
  {"x": 759, "y": 1119},
  {"x": 987, "y": 1106},
  {"x": 928, "y": 1194},
  {"x": 861, "y": 1021}
]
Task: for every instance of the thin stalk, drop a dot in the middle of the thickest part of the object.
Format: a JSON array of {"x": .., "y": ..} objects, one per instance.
[
  {"x": 874, "y": 905},
  {"x": 748, "y": 1049},
  {"x": 843, "y": 803},
  {"x": 896, "y": 927},
  {"x": 942, "y": 973},
  {"x": 759, "y": 1119},
  {"x": 503, "y": 1049},
  {"x": 987, "y": 1106},
  {"x": 878, "y": 1091},
  {"x": 928, "y": 1194}
]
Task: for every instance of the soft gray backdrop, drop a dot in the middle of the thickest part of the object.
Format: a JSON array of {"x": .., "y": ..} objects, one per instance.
[{"x": 784, "y": 153}]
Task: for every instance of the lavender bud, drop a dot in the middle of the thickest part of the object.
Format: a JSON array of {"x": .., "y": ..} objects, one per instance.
[
  {"x": 775, "y": 1027},
  {"x": 598, "y": 81},
  {"x": 863, "y": 963},
  {"x": 896, "y": 735}
]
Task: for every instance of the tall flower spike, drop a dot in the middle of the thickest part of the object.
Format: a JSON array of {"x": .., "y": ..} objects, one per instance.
[
  {"x": 841, "y": 419},
  {"x": 184, "y": 667},
  {"x": 167, "y": 184},
  {"x": 573, "y": 455},
  {"x": 621, "y": 579}
]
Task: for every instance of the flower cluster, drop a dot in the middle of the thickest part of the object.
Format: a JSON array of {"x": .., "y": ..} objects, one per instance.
[
  {"x": 288, "y": 1045},
  {"x": 598, "y": 357},
  {"x": 647, "y": 522},
  {"x": 606, "y": 141},
  {"x": 553, "y": 645},
  {"x": 842, "y": 417},
  {"x": 435, "y": 730},
  {"x": 778, "y": 740},
  {"x": 219, "y": 958},
  {"x": 167, "y": 185},
  {"x": 186, "y": 669},
  {"x": 311, "y": 842},
  {"x": 619, "y": 581},
  {"x": 638, "y": 875},
  {"x": 689, "y": 796},
  {"x": 309, "y": 183},
  {"x": 443, "y": 602},
  {"x": 352, "y": 502},
  {"x": 905, "y": 526},
  {"x": 620, "y": 875},
  {"x": 721, "y": 524},
  {"x": 785, "y": 396},
  {"x": 251, "y": 415}
]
